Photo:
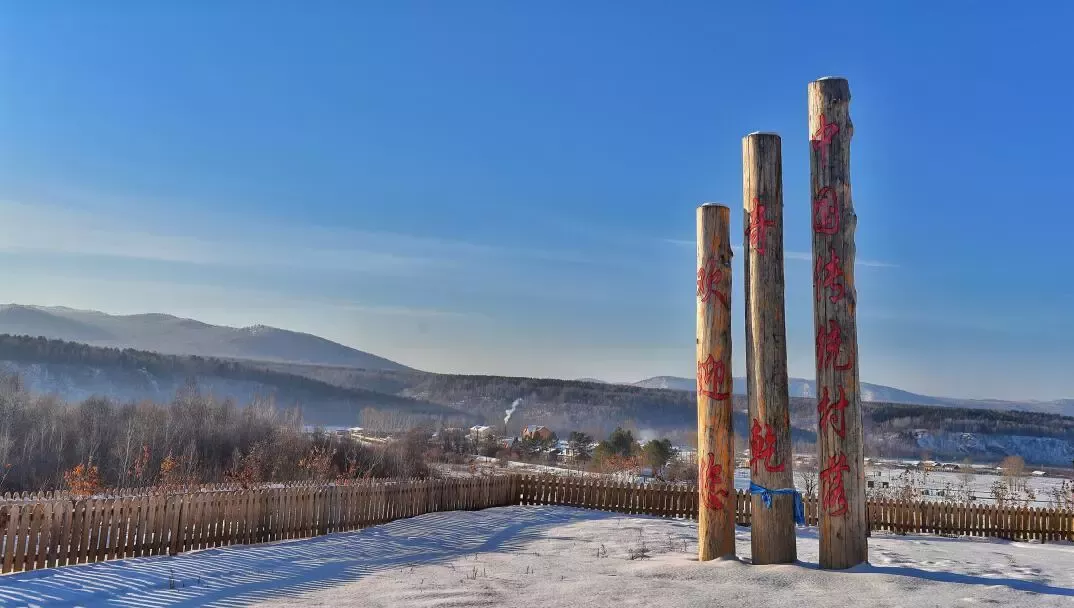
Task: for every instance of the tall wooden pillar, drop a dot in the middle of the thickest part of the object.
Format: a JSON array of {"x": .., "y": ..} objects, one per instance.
[
  {"x": 715, "y": 439},
  {"x": 771, "y": 460},
  {"x": 841, "y": 448}
]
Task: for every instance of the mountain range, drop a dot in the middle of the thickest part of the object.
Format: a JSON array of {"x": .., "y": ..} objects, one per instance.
[
  {"x": 169, "y": 334},
  {"x": 337, "y": 385},
  {"x": 801, "y": 387}
]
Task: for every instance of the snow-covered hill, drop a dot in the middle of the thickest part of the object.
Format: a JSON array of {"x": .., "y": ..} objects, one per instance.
[
  {"x": 799, "y": 387},
  {"x": 321, "y": 403},
  {"x": 1048, "y": 450},
  {"x": 174, "y": 335},
  {"x": 878, "y": 393}
]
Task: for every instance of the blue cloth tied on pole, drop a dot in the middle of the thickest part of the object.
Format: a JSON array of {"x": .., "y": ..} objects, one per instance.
[{"x": 766, "y": 498}]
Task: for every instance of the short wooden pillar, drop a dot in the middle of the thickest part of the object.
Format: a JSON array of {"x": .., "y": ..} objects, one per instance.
[
  {"x": 715, "y": 439},
  {"x": 771, "y": 461}
]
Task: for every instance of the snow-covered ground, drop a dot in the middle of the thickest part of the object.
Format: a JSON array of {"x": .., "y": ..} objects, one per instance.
[
  {"x": 513, "y": 466},
  {"x": 484, "y": 465},
  {"x": 556, "y": 556}
]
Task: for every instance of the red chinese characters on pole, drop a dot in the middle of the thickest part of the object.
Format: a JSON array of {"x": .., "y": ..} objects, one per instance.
[
  {"x": 833, "y": 494},
  {"x": 829, "y": 275},
  {"x": 823, "y": 137},
  {"x": 833, "y": 413},
  {"x": 712, "y": 378},
  {"x": 708, "y": 283},
  {"x": 826, "y": 211},
  {"x": 763, "y": 446},
  {"x": 830, "y": 346},
  {"x": 758, "y": 223},
  {"x": 712, "y": 491}
]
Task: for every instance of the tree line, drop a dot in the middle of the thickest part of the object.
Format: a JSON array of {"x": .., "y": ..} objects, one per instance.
[
  {"x": 396, "y": 400},
  {"x": 322, "y": 400},
  {"x": 899, "y": 417},
  {"x": 46, "y": 443},
  {"x": 621, "y": 451}
]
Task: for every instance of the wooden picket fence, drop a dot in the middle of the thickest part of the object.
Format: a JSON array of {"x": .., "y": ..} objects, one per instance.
[
  {"x": 65, "y": 531},
  {"x": 680, "y": 501},
  {"x": 55, "y": 529}
]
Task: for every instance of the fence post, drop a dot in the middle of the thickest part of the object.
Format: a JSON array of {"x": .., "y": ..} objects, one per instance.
[
  {"x": 840, "y": 443},
  {"x": 771, "y": 462},
  {"x": 177, "y": 531},
  {"x": 716, "y": 507}
]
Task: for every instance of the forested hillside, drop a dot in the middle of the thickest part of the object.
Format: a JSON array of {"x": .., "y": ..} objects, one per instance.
[
  {"x": 78, "y": 371},
  {"x": 192, "y": 438},
  {"x": 892, "y": 430},
  {"x": 401, "y": 399}
]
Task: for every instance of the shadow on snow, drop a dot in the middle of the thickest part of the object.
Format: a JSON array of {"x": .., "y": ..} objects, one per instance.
[
  {"x": 239, "y": 575},
  {"x": 242, "y": 574}
]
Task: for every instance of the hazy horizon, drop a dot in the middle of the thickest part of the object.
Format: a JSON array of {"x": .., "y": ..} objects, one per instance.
[{"x": 686, "y": 376}]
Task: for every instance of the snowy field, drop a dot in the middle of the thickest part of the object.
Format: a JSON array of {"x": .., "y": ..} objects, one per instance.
[
  {"x": 556, "y": 556},
  {"x": 980, "y": 484},
  {"x": 931, "y": 487}
]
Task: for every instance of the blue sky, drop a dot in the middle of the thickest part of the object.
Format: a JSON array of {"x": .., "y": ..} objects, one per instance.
[{"x": 509, "y": 187}]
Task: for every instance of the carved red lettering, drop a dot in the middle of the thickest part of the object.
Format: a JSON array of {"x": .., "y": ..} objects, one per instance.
[
  {"x": 758, "y": 223},
  {"x": 763, "y": 447},
  {"x": 832, "y": 278},
  {"x": 829, "y": 347},
  {"x": 833, "y": 494},
  {"x": 712, "y": 378},
  {"x": 823, "y": 137},
  {"x": 709, "y": 277},
  {"x": 712, "y": 491},
  {"x": 833, "y": 413},
  {"x": 826, "y": 211}
]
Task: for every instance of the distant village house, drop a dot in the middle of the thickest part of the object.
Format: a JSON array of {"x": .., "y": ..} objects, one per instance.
[
  {"x": 479, "y": 433},
  {"x": 534, "y": 431}
]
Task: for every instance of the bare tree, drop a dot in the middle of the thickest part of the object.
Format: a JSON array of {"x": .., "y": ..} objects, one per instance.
[
  {"x": 1014, "y": 468},
  {"x": 909, "y": 485},
  {"x": 1062, "y": 496},
  {"x": 808, "y": 479},
  {"x": 195, "y": 439}
]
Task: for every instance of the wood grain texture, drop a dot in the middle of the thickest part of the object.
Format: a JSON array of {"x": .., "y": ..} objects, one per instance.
[
  {"x": 771, "y": 461},
  {"x": 716, "y": 516},
  {"x": 840, "y": 443}
]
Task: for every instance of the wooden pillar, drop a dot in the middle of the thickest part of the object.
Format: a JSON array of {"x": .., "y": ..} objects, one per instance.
[
  {"x": 715, "y": 439},
  {"x": 840, "y": 443},
  {"x": 771, "y": 461}
]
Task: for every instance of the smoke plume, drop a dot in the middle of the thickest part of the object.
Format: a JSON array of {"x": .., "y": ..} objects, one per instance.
[{"x": 511, "y": 412}]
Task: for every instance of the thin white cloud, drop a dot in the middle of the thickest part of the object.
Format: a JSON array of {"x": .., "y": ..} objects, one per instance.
[
  {"x": 236, "y": 241},
  {"x": 199, "y": 301},
  {"x": 55, "y": 230},
  {"x": 227, "y": 241},
  {"x": 803, "y": 256}
]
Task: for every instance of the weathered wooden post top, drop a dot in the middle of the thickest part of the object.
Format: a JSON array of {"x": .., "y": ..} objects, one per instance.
[
  {"x": 715, "y": 439},
  {"x": 840, "y": 443},
  {"x": 771, "y": 462}
]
